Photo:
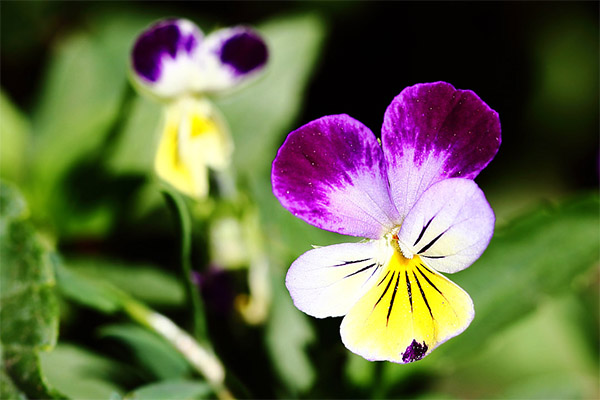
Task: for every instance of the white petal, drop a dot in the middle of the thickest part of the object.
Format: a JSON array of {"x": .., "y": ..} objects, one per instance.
[
  {"x": 450, "y": 225},
  {"x": 328, "y": 281}
]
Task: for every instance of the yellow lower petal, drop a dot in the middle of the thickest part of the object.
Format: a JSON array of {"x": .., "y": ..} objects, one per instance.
[
  {"x": 407, "y": 313},
  {"x": 173, "y": 167}
]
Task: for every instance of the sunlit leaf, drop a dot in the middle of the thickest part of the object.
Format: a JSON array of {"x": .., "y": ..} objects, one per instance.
[
  {"x": 28, "y": 304},
  {"x": 153, "y": 353},
  {"x": 175, "y": 390}
]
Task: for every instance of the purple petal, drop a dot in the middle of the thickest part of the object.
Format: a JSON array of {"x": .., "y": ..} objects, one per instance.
[
  {"x": 331, "y": 173},
  {"x": 433, "y": 131},
  {"x": 230, "y": 55},
  {"x": 245, "y": 51},
  {"x": 168, "y": 38}
]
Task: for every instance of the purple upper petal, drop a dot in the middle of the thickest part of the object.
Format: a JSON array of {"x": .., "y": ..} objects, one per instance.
[
  {"x": 331, "y": 173},
  {"x": 433, "y": 131},
  {"x": 245, "y": 51},
  {"x": 164, "y": 39}
]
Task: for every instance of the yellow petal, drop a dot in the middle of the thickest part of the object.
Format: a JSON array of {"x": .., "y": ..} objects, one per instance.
[
  {"x": 204, "y": 134},
  {"x": 172, "y": 166},
  {"x": 194, "y": 137},
  {"x": 409, "y": 311}
]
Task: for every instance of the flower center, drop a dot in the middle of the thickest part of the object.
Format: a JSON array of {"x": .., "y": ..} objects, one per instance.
[{"x": 398, "y": 245}]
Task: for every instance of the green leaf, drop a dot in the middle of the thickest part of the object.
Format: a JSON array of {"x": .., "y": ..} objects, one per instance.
[
  {"x": 529, "y": 261},
  {"x": 28, "y": 304},
  {"x": 14, "y": 139},
  {"x": 175, "y": 390},
  {"x": 87, "y": 291},
  {"x": 152, "y": 351},
  {"x": 82, "y": 104},
  {"x": 261, "y": 113},
  {"x": 137, "y": 144},
  {"x": 537, "y": 256},
  {"x": 81, "y": 374},
  {"x": 8, "y": 390},
  {"x": 288, "y": 333},
  {"x": 145, "y": 282}
]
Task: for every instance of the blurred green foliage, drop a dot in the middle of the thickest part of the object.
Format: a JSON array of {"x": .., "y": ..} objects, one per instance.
[{"x": 80, "y": 148}]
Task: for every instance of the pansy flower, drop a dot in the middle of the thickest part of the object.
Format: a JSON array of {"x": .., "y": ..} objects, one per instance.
[
  {"x": 175, "y": 63},
  {"x": 414, "y": 200}
]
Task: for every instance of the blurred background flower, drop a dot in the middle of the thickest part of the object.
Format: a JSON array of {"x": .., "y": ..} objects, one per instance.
[{"x": 81, "y": 156}]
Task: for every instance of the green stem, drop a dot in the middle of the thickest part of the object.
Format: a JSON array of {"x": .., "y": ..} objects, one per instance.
[
  {"x": 201, "y": 359},
  {"x": 183, "y": 220}
]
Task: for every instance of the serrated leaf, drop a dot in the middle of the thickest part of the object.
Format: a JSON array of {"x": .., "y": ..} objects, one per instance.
[
  {"x": 175, "y": 390},
  {"x": 153, "y": 353},
  {"x": 28, "y": 304}
]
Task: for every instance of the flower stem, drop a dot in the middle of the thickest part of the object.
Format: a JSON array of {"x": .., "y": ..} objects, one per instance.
[
  {"x": 201, "y": 359},
  {"x": 184, "y": 223}
]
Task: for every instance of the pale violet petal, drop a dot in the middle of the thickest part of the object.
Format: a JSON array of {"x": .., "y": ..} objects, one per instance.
[{"x": 450, "y": 225}]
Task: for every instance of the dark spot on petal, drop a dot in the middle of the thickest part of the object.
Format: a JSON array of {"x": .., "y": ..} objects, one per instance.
[
  {"x": 244, "y": 52},
  {"x": 414, "y": 352},
  {"x": 162, "y": 39}
]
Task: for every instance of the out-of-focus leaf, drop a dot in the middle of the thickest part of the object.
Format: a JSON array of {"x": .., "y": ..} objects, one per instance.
[
  {"x": 260, "y": 114},
  {"x": 154, "y": 354},
  {"x": 359, "y": 371},
  {"x": 80, "y": 99},
  {"x": 81, "y": 374},
  {"x": 175, "y": 390},
  {"x": 522, "y": 361},
  {"x": 92, "y": 293},
  {"x": 78, "y": 107},
  {"x": 144, "y": 282},
  {"x": 287, "y": 335},
  {"x": 529, "y": 261},
  {"x": 537, "y": 256},
  {"x": 137, "y": 144},
  {"x": 8, "y": 390},
  {"x": 14, "y": 139},
  {"x": 28, "y": 304}
]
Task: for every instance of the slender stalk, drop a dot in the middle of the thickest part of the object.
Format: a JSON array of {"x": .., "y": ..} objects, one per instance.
[
  {"x": 184, "y": 224},
  {"x": 201, "y": 359}
]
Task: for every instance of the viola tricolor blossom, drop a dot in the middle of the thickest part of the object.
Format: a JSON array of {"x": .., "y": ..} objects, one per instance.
[
  {"x": 175, "y": 63},
  {"x": 414, "y": 200}
]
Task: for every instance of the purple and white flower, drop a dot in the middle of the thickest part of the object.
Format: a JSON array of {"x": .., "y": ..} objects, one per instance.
[
  {"x": 174, "y": 62},
  {"x": 414, "y": 200}
]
